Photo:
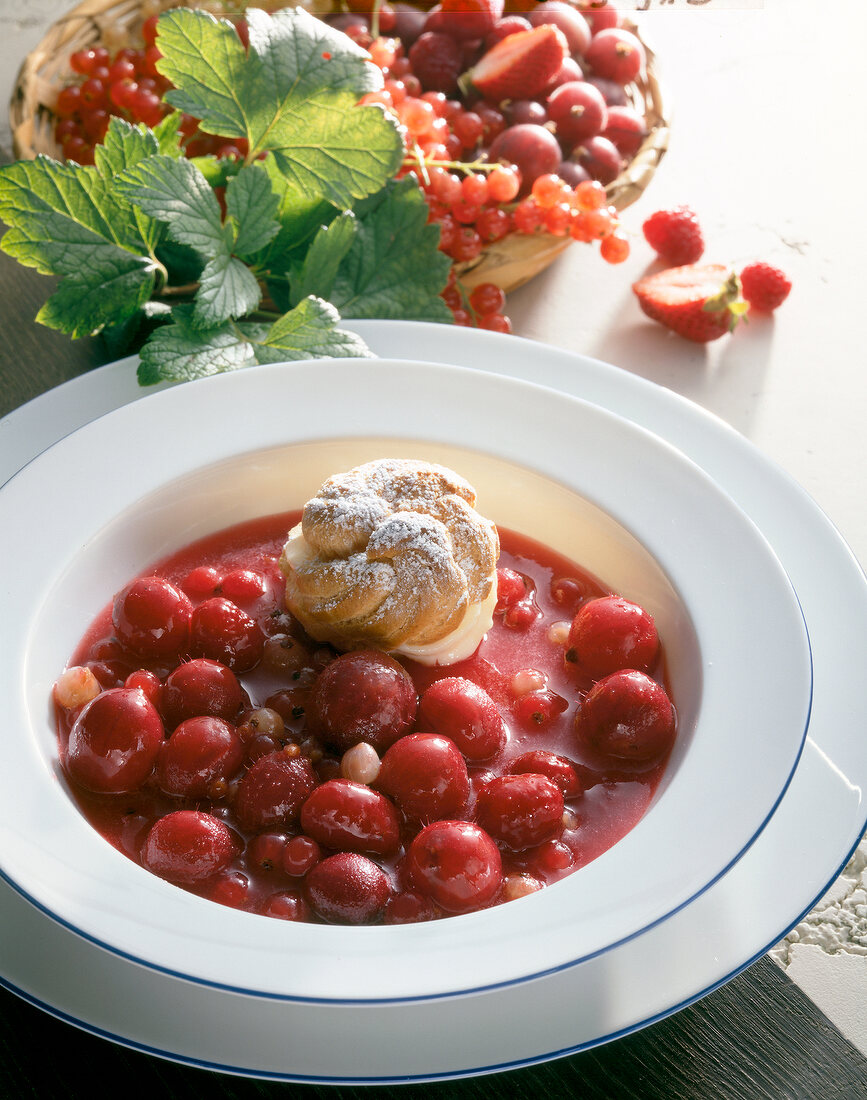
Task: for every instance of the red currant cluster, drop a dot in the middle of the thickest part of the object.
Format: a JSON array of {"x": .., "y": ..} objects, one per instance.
[
  {"x": 126, "y": 84},
  {"x": 471, "y": 199},
  {"x": 482, "y": 307}
]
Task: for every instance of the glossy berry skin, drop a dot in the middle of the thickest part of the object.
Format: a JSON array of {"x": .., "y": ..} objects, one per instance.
[
  {"x": 615, "y": 54},
  {"x": 351, "y": 817},
  {"x": 273, "y": 791},
  {"x": 531, "y": 148},
  {"x": 362, "y": 696},
  {"x": 114, "y": 742},
  {"x": 578, "y": 111},
  {"x": 765, "y": 287},
  {"x": 456, "y": 864},
  {"x": 200, "y": 687},
  {"x": 520, "y": 811},
  {"x": 347, "y": 888},
  {"x": 599, "y": 157},
  {"x": 199, "y": 751},
  {"x": 188, "y": 846},
  {"x": 286, "y": 905},
  {"x": 426, "y": 776},
  {"x": 222, "y": 631},
  {"x": 625, "y": 130},
  {"x": 675, "y": 234},
  {"x": 152, "y": 618},
  {"x": 610, "y": 633},
  {"x": 627, "y": 715},
  {"x": 570, "y": 22},
  {"x": 556, "y": 768},
  {"x": 511, "y": 588},
  {"x": 462, "y": 711}
]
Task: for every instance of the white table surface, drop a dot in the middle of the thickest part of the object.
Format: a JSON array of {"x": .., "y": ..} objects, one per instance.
[{"x": 767, "y": 146}]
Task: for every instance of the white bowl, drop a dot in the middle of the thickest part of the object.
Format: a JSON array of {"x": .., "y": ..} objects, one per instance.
[{"x": 99, "y": 506}]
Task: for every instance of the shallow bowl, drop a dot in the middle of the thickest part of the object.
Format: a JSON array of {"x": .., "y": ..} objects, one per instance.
[{"x": 102, "y": 504}]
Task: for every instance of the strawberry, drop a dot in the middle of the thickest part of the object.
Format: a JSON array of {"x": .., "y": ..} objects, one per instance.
[
  {"x": 469, "y": 20},
  {"x": 675, "y": 234},
  {"x": 522, "y": 65},
  {"x": 699, "y": 302},
  {"x": 765, "y": 287}
]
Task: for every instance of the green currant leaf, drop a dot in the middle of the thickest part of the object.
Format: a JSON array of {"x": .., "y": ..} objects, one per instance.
[
  {"x": 176, "y": 192},
  {"x": 63, "y": 217},
  {"x": 294, "y": 92},
  {"x": 309, "y": 331},
  {"x": 227, "y": 288},
  {"x": 84, "y": 304},
  {"x": 66, "y": 220},
  {"x": 181, "y": 351},
  {"x": 123, "y": 147},
  {"x": 168, "y": 134},
  {"x": 299, "y": 216},
  {"x": 317, "y": 272},
  {"x": 394, "y": 268},
  {"x": 252, "y": 206}
]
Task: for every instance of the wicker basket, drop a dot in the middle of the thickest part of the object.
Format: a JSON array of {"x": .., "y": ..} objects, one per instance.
[{"x": 509, "y": 263}]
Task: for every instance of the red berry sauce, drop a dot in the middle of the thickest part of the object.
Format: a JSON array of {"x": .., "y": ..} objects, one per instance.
[{"x": 306, "y": 785}]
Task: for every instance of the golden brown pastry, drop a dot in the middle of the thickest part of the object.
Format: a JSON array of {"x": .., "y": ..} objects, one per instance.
[{"x": 393, "y": 555}]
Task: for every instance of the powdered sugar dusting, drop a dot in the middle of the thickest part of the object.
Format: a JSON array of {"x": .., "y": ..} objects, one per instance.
[{"x": 416, "y": 521}]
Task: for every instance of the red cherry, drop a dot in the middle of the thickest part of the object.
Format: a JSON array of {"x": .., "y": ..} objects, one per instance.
[
  {"x": 553, "y": 767},
  {"x": 456, "y": 864},
  {"x": 362, "y": 696},
  {"x": 351, "y": 817},
  {"x": 510, "y": 588},
  {"x": 610, "y": 633},
  {"x": 222, "y": 631},
  {"x": 188, "y": 846},
  {"x": 347, "y": 888},
  {"x": 152, "y": 618},
  {"x": 426, "y": 776},
  {"x": 114, "y": 742},
  {"x": 201, "y": 687},
  {"x": 520, "y": 811},
  {"x": 285, "y": 906},
  {"x": 199, "y": 751},
  {"x": 628, "y": 716},
  {"x": 409, "y": 907},
  {"x": 299, "y": 855},
  {"x": 273, "y": 791},
  {"x": 462, "y": 711}
]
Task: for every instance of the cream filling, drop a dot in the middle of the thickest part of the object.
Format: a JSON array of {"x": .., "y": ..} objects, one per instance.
[{"x": 457, "y": 645}]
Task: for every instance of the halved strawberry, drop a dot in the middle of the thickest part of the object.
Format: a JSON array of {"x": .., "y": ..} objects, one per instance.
[
  {"x": 699, "y": 302},
  {"x": 522, "y": 65}
]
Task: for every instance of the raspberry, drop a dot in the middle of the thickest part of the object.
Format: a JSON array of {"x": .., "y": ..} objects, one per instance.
[
  {"x": 676, "y": 235},
  {"x": 764, "y": 287},
  {"x": 436, "y": 60}
]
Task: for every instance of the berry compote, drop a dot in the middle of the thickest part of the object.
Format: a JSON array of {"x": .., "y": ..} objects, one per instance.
[{"x": 207, "y": 737}]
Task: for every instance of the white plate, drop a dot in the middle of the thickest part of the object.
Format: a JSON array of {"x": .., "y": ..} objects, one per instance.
[
  {"x": 550, "y": 465},
  {"x": 702, "y": 946}
]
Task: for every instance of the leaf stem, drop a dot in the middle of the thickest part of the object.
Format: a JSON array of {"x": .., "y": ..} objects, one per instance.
[{"x": 187, "y": 290}]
